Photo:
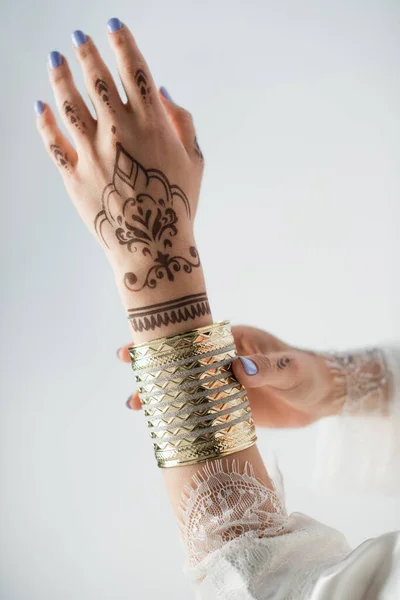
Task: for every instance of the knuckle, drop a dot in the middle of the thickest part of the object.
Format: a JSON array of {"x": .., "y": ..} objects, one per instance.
[
  {"x": 60, "y": 75},
  {"x": 130, "y": 67},
  {"x": 264, "y": 362},
  {"x": 119, "y": 39},
  {"x": 184, "y": 116},
  {"x": 44, "y": 125},
  {"x": 86, "y": 51}
]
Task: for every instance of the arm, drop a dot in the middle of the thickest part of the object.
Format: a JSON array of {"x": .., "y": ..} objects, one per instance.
[{"x": 134, "y": 176}]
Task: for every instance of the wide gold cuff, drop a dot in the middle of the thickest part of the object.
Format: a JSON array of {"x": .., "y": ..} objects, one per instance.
[{"x": 194, "y": 407}]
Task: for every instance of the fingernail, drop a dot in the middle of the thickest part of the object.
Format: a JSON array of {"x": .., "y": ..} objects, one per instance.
[
  {"x": 165, "y": 93},
  {"x": 55, "y": 59},
  {"x": 128, "y": 402},
  {"x": 249, "y": 366},
  {"x": 78, "y": 38},
  {"x": 114, "y": 24},
  {"x": 118, "y": 351},
  {"x": 38, "y": 107}
]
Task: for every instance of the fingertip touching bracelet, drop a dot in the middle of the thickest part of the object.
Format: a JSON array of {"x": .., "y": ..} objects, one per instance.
[{"x": 194, "y": 406}]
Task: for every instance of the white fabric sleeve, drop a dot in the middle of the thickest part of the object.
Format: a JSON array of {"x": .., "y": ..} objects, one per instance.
[
  {"x": 359, "y": 450},
  {"x": 241, "y": 542},
  {"x": 242, "y": 545}
]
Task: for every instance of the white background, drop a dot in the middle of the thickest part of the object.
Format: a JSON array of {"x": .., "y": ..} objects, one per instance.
[{"x": 297, "y": 111}]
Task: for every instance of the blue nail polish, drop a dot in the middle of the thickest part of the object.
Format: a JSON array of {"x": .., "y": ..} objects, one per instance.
[
  {"x": 38, "y": 107},
  {"x": 114, "y": 24},
  {"x": 165, "y": 93},
  {"x": 78, "y": 38},
  {"x": 249, "y": 366},
  {"x": 55, "y": 59}
]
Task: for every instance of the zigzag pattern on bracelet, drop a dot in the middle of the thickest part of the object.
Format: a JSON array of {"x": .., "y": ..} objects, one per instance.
[{"x": 194, "y": 407}]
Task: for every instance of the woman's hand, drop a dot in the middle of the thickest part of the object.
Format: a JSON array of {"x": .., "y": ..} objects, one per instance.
[
  {"x": 286, "y": 387},
  {"x": 134, "y": 172}
]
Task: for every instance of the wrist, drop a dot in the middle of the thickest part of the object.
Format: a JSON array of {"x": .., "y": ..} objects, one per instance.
[
  {"x": 166, "y": 296},
  {"x": 336, "y": 385}
]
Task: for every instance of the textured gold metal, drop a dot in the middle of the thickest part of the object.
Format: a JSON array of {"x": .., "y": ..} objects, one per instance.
[
  {"x": 221, "y": 444},
  {"x": 195, "y": 421},
  {"x": 186, "y": 403},
  {"x": 150, "y": 364},
  {"x": 189, "y": 384},
  {"x": 172, "y": 365},
  {"x": 183, "y": 341},
  {"x": 195, "y": 408}
]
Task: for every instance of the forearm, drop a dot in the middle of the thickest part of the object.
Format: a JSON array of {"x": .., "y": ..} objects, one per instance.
[{"x": 169, "y": 309}]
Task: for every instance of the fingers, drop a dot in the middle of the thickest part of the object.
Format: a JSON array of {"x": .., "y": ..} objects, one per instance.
[
  {"x": 123, "y": 353},
  {"x": 98, "y": 80},
  {"x": 182, "y": 121},
  {"x": 283, "y": 370},
  {"x": 134, "y": 72},
  {"x": 70, "y": 104},
  {"x": 59, "y": 148},
  {"x": 133, "y": 402}
]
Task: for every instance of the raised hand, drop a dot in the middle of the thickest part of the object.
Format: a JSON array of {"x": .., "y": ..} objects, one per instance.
[{"x": 134, "y": 172}]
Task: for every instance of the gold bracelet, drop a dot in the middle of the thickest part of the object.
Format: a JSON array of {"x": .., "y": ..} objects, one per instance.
[
  {"x": 182, "y": 341},
  {"x": 194, "y": 407},
  {"x": 220, "y": 361},
  {"x": 150, "y": 364},
  {"x": 216, "y": 448}
]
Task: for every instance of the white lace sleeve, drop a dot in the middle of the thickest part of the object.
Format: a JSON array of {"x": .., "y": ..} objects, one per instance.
[
  {"x": 241, "y": 542},
  {"x": 360, "y": 449},
  {"x": 223, "y": 504}
]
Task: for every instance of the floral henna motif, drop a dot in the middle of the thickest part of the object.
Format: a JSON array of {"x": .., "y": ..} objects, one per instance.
[
  {"x": 166, "y": 265},
  {"x": 71, "y": 114},
  {"x": 141, "y": 82},
  {"x": 139, "y": 205}
]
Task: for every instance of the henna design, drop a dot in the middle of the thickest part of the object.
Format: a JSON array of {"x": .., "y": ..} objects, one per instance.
[
  {"x": 171, "y": 312},
  {"x": 282, "y": 363},
  {"x": 141, "y": 82},
  {"x": 139, "y": 205},
  {"x": 101, "y": 88},
  {"x": 73, "y": 117},
  {"x": 166, "y": 265},
  {"x": 197, "y": 149},
  {"x": 60, "y": 157},
  {"x": 113, "y": 129}
]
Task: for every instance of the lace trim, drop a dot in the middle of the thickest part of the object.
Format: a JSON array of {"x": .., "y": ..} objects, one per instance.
[
  {"x": 365, "y": 377},
  {"x": 222, "y": 504}
]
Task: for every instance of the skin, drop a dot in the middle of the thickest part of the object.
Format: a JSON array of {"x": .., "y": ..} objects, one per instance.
[
  {"x": 292, "y": 388},
  {"x": 158, "y": 135}
]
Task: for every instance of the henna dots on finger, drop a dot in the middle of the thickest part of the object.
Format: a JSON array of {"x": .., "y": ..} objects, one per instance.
[
  {"x": 102, "y": 90},
  {"x": 60, "y": 157},
  {"x": 141, "y": 82},
  {"x": 284, "y": 362},
  {"x": 71, "y": 113}
]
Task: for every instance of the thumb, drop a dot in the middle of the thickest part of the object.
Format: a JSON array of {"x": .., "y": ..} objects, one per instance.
[{"x": 282, "y": 370}]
